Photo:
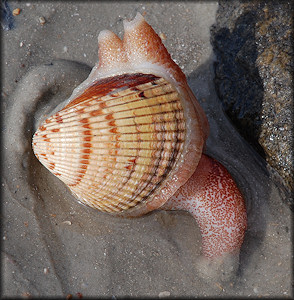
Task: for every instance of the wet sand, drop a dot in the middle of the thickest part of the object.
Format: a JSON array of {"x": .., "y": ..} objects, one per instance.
[{"x": 52, "y": 245}]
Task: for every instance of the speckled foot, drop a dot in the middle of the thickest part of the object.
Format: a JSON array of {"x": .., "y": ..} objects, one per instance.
[{"x": 214, "y": 200}]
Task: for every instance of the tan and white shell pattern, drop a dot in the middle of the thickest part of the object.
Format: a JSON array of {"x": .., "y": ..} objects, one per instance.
[{"x": 130, "y": 135}]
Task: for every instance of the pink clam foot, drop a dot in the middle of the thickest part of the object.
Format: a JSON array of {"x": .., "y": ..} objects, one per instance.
[{"x": 214, "y": 200}]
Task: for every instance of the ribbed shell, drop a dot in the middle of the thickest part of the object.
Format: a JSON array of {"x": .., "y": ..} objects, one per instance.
[{"x": 117, "y": 142}]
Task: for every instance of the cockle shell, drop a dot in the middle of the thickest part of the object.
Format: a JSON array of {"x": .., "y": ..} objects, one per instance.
[{"x": 132, "y": 133}]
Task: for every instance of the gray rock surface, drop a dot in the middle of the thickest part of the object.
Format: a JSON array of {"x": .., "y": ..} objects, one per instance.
[
  {"x": 52, "y": 245},
  {"x": 253, "y": 42}
]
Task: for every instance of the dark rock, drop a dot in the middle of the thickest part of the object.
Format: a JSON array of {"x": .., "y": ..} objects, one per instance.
[{"x": 253, "y": 45}]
